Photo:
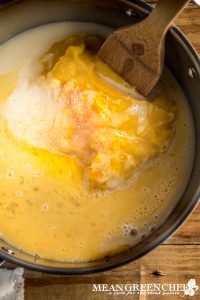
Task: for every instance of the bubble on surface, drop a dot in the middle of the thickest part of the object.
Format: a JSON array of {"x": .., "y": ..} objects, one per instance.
[
  {"x": 36, "y": 173},
  {"x": 146, "y": 190},
  {"x": 10, "y": 174},
  {"x": 18, "y": 193},
  {"x": 152, "y": 228},
  {"x": 129, "y": 230},
  {"x": 144, "y": 236},
  {"x": 45, "y": 207},
  {"x": 12, "y": 207}
]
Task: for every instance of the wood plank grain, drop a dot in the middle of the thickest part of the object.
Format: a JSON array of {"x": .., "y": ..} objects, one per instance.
[
  {"x": 153, "y": 2},
  {"x": 189, "y": 24},
  {"x": 189, "y": 231},
  {"x": 177, "y": 264}
]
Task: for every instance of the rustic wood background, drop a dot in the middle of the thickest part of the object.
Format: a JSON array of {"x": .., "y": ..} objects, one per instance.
[{"x": 177, "y": 260}]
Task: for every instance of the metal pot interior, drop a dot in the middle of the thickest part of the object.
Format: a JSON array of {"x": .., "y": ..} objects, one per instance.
[{"x": 17, "y": 16}]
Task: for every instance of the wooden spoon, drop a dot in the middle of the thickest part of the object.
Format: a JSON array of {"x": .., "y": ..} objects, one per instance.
[{"x": 137, "y": 52}]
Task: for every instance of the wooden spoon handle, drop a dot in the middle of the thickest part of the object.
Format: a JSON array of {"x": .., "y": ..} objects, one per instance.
[{"x": 163, "y": 14}]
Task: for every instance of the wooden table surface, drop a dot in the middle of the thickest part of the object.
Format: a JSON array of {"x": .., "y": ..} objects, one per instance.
[{"x": 178, "y": 259}]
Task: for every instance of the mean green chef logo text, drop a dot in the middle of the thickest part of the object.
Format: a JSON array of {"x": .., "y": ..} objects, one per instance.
[{"x": 188, "y": 289}]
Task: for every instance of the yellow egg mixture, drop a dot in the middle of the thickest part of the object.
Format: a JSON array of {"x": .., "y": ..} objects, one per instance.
[{"x": 88, "y": 167}]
